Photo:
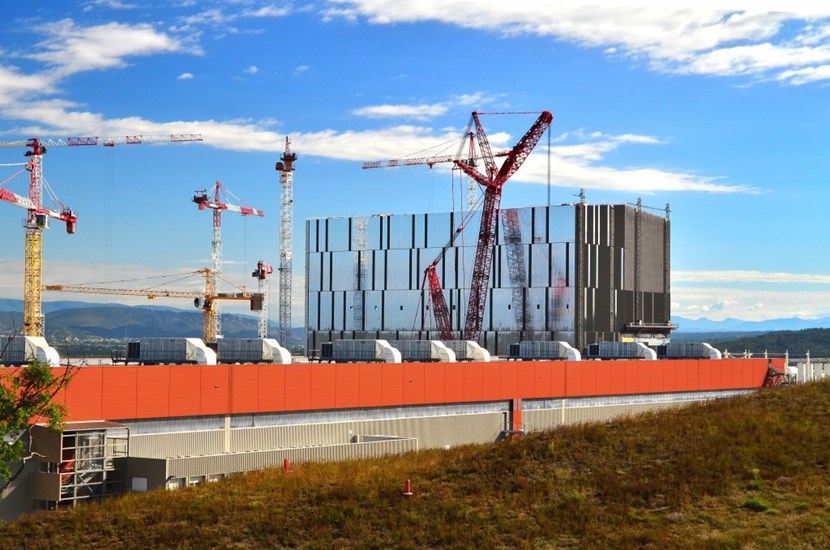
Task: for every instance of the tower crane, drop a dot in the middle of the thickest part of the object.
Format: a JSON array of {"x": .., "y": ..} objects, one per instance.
[
  {"x": 205, "y": 300},
  {"x": 285, "y": 167},
  {"x": 37, "y": 218},
  {"x": 203, "y": 201},
  {"x": 261, "y": 275},
  {"x": 493, "y": 180}
]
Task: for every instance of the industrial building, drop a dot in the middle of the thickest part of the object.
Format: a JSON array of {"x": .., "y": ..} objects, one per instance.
[{"x": 576, "y": 273}]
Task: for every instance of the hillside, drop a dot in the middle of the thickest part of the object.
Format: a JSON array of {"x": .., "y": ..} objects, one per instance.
[
  {"x": 744, "y": 472},
  {"x": 797, "y": 342},
  {"x": 119, "y": 322}
]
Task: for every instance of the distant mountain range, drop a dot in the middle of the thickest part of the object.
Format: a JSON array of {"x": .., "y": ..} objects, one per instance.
[
  {"x": 84, "y": 320},
  {"x": 738, "y": 325},
  {"x": 89, "y": 320}
]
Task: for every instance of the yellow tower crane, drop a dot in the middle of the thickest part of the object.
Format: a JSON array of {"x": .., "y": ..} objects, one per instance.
[
  {"x": 204, "y": 300},
  {"x": 38, "y": 217}
]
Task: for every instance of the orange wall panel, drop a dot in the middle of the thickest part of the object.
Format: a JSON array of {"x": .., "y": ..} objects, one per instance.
[
  {"x": 413, "y": 383},
  {"x": 526, "y": 379},
  {"x": 491, "y": 382},
  {"x": 542, "y": 378},
  {"x": 392, "y": 393},
  {"x": 454, "y": 383},
  {"x": 215, "y": 397},
  {"x": 435, "y": 381},
  {"x": 616, "y": 377},
  {"x": 297, "y": 387},
  {"x": 509, "y": 380},
  {"x": 152, "y": 392},
  {"x": 473, "y": 381},
  {"x": 558, "y": 370},
  {"x": 573, "y": 379},
  {"x": 83, "y": 395},
  {"x": 244, "y": 389},
  {"x": 119, "y": 392},
  {"x": 185, "y": 390},
  {"x": 347, "y": 390},
  {"x": 271, "y": 390},
  {"x": 323, "y": 386},
  {"x": 371, "y": 385}
]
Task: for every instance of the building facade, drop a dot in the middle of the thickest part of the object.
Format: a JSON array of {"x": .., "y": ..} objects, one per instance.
[{"x": 577, "y": 273}]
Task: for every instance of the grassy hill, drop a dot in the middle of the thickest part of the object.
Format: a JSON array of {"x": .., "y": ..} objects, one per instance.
[
  {"x": 744, "y": 472},
  {"x": 797, "y": 342}
]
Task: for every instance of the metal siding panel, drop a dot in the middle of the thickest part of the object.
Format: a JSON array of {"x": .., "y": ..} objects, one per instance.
[
  {"x": 397, "y": 270},
  {"x": 540, "y": 224},
  {"x": 502, "y": 308},
  {"x": 400, "y": 231},
  {"x": 439, "y": 230},
  {"x": 561, "y": 309},
  {"x": 541, "y": 262},
  {"x": 312, "y": 303},
  {"x": 337, "y": 234}
]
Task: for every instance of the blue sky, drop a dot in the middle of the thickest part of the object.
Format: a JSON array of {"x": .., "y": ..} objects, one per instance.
[{"x": 721, "y": 113}]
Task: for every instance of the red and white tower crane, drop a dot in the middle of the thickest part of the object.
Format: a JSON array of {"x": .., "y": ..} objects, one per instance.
[
  {"x": 493, "y": 180},
  {"x": 285, "y": 167},
  {"x": 202, "y": 200},
  {"x": 37, "y": 218}
]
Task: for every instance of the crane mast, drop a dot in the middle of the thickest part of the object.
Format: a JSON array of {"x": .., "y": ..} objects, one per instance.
[
  {"x": 218, "y": 206},
  {"x": 261, "y": 275},
  {"x": 286, "y": 169},
  {"x": 493, "y": 179},
  {"x": 37, "y": 218},
  {"x": 205, "y": 300}
]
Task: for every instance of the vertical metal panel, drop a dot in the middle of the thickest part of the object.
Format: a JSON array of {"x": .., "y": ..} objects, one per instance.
[
  {"x": 373, "y": 303},
  {"x": 314, "y": 282},
  {"x": 400, "y": 309},
  {"x": 561, "y": 309},
  {"x": 326, "y": 270},
  {"x": 503, "y": 316},
  {"x": 379, "y": 270},
  {"x": 561, "y": 265},
  {"x": 537, "y": 309},
  {"x": 420, "y": 229},
  {"x": 400, "y": 231},
  {"x": 540, "y": 224},
  {"x": 540, "y": 265},
  {"x": 439, "y": 230},
  {"x": 312, "y": 304},
  {"x": 397, "y": 269},
  {"x": 311, "y": 235},
  {"x": 343, "y": 271},
  {"x": 562, "y": 224},
  {"x": 337, "y": 234},
  {"x": 339, "y": 311},
  {"x": 326, "y": 322}
]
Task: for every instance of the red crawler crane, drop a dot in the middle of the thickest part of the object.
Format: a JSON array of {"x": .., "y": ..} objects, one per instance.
[{"x": 492, "y": 180}]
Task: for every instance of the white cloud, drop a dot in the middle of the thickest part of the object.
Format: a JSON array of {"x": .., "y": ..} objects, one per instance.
[
  {"x": 253, "y": 69},
  {"x": 72, "y": 49},
  {"x": 14, "y": 85},
  {"x": 748, "y": 276},
  {"x": 749, "y": 305},
  {"x": 756, "y": 39},
  {"x": 301, "y": 69},
  {"x": 418, "y": 112},
  {"x": 185, "y": 76}
]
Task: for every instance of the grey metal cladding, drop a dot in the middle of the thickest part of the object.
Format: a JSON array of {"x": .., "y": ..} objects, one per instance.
[
  {"x": 401, "y": 231},
  {"x": 540, "y": 301},
  {"x": 540, "y": 225},
  {"x": 439, "y": 230},
  {"x": 502, "y": 308},
  {"x": 343, "y": 269},
  {"x": 314, "y": 275},
  {"x": 539, "y": 265},
  {"x": 397, "y": 269},
  {"x": 337, "y": 234},
  {"x": 562, "y": 224},
  {"x": 311, "y": 230}
]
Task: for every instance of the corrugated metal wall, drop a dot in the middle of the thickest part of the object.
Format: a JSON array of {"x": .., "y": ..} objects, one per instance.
[
  {"x": 380, "y": 272},
  {"x": 246, "y": 462},
  {"x": 435, "y": 431}
]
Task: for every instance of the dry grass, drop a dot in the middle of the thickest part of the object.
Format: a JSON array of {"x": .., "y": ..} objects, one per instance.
[{"x": 749, "y": 472}]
